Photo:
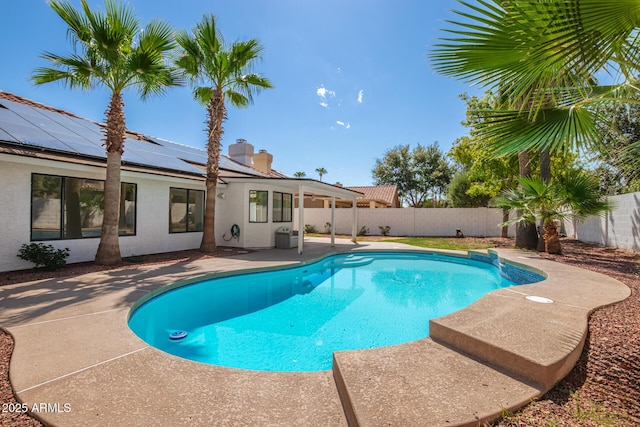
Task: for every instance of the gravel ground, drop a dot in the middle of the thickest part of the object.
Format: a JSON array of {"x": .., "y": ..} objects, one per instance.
[{"x": 602, "y": 390}]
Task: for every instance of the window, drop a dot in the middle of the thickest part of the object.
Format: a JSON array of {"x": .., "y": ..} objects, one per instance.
[
  {"x": 72, "y": 208},
  {"x": 258, "y": 205},
  {"x": 186, "y": 210},
  {"x": 282, "y": 207}
]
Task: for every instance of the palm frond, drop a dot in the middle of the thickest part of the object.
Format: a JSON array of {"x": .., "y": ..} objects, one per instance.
[
  {"x": 522, "y": 48},
  {"x": 237, "y": 99},
  {"x": 157, "y": 37},
  {"x": 558, "y": 129},
  {"x": 203, "y": 94},
  {"x": 78, "y": 24},
  {"x": 208, "y": 63}
]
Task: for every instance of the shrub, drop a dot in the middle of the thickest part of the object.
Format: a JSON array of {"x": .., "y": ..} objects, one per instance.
[
  {"x": 363, "y": 231},
  {"x": 384, "y": 230},
  {"x": 309, "y": 228},
  {"x": 44, "y": 255}
]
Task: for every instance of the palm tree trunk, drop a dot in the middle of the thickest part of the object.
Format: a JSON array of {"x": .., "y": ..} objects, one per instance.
[
  {"x": 545, "y": 175},
  {"x": 526, "y": 235},
  {"x": 109, "y": 247},
  {"x": 505, "y": 229},
  {"x": 217, "y": 114},
  {"x": 551, "y": 238}
]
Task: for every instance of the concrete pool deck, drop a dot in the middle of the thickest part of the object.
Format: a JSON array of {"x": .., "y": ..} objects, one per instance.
[{"x": 76, "y": 359}]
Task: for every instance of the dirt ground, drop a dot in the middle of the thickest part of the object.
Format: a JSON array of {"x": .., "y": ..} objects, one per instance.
[{"x": 603, "y": 389}]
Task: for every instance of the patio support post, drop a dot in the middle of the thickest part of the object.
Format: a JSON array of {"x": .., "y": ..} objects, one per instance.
[
  {"x": 354, "y": 222},
  {"x": 300, "y": 218},
  {"x": 333, "y": 221}
]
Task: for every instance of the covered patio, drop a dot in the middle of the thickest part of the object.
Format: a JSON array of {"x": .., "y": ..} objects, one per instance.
[{"x": 302, "y": 188}]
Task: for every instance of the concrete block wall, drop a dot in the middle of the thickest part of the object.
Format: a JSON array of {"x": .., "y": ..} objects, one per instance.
[
  {"x": 478, "y": 222},
  {"x": 620, "y": 228}
]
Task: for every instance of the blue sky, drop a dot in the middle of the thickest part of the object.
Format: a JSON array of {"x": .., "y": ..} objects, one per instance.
[{"x": 351, "y": 78}]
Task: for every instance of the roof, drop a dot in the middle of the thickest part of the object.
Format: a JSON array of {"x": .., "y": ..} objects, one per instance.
[
  {"x": 29, "y": 124},
  {"x": 308, "y": 186},
  {"x": 387, "y": 194}
]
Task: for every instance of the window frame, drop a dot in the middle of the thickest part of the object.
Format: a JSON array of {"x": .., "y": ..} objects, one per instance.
[
  {"x": 282, "y": 208},
  {"x": 189, "y": 191},
  {"x": 266, "y": 207},
  {"x": 62, "y": 223}
]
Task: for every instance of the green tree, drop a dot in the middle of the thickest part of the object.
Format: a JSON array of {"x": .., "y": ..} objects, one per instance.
[
  {"x": 575, "y": 195},
  {"x": 321, "y": 171},
  {"x": 219, "y": 74},
  {"x": 300, "y": 174},
  {"x": 459, "y": 192},
  {"x": 617, "y": 169},
  {"x": 543, "y": 57},
  {"x": 435, "y": 171},
  {"x": 418, "y": 174},
  {"x": 111, "y": 51},
  {"x": 487, "y": 173}
]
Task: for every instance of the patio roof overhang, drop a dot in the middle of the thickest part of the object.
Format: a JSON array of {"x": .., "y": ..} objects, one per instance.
[{"x": 301, "y": 187}]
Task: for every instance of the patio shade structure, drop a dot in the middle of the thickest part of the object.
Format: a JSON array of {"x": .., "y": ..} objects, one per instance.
[{"x": 310, "y": 187}]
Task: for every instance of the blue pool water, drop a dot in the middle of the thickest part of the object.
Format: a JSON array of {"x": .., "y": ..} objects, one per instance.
[{"x": 294, "y": 319}]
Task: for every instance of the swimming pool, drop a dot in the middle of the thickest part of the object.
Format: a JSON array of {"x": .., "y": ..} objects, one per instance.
[{"x": 293, "y": 319}]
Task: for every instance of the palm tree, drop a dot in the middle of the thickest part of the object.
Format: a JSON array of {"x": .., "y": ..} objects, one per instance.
[
  {"x": 300, "y": 174},
  {"x": 321, "y": 171},
  {"x": 573, "y": 196},
  {"x": 219, "y": 73},
  {"x": 543, "y": 55},
  {"x": 111, "y": 51}
]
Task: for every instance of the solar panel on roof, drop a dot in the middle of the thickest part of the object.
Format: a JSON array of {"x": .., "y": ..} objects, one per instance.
[
  {"x": 28, "y": 134},
  {"x": 143, "y": 150},
  {"x": 91, "y": 127},
  {"x": 20, "y": 123},
  {"x": 4, "y": 136},
  {"x": 83, "y": 128},
  {"x": 184, "y": 152},
  {"x": 80, "y": 145},
  {"x": 229, "y": 164}
]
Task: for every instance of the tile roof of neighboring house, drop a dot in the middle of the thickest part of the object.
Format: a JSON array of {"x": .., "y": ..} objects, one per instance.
[
  {"x": 387, "y": 194},
  {"x": 31, "y": 125}
]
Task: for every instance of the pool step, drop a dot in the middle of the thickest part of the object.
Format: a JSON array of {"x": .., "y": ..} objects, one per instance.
[
  {"x": 423, "y": 383},
  {"x": 350, "y": 262},
  {"x": 496, "y": 354},
  {"x": 537, "y": 342}
]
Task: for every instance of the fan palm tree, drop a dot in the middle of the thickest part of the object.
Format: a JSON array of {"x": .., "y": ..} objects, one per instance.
[
  {"x": 219, "y": 73},
  {"x": 321, "y": 171},
  {"x": 575, "y": 196},
  {"x": 111, "y": 51},
  {"x": 300, "y": 174},
  {"x": 545, "y": 57}
]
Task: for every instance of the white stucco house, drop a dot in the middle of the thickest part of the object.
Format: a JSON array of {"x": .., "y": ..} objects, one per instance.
[{"x": 52, "y": 170}]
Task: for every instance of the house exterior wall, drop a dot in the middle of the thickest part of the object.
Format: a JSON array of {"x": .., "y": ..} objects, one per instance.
[
  {"x": 152, "y": 204},
  {"x": 234, "y": 209},
  {"x": 478, "y": 222}
]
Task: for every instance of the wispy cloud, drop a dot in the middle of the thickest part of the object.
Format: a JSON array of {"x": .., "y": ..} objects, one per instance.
[
  {"x": 324, "y": 94},
  {"x": 360, "y": 95},
  {"x": 343, "y": 124}
]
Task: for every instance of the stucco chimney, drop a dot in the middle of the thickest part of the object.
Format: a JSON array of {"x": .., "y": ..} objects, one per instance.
[
  {"x": 241, "y": 152},
  {"x": 262, "y": 161}
]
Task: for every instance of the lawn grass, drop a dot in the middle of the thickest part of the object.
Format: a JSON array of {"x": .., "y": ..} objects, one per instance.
[{"x": 453, "y": 243}]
